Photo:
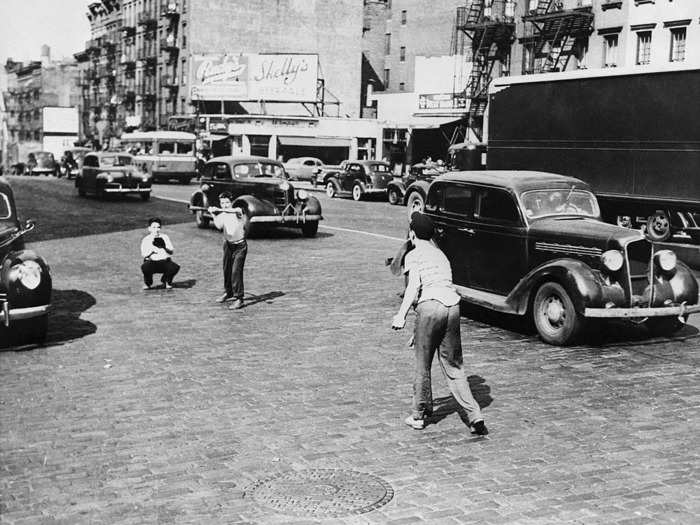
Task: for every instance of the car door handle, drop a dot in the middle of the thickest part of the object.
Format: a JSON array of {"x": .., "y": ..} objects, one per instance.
[{"x": 468, "y": 231}]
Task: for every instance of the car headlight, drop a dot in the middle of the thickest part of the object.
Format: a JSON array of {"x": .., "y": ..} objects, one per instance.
[
  {"x": 284, "y": 186},
  {"x": 205, "y": 187},
  {"x": 302, "y": 195},
  {"x": 666, "y": 260},
  {"x": 612, "y": 260},
  {"x": 28, "y": 273}
]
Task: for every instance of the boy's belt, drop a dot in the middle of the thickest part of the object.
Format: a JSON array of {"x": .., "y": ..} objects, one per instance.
[{"x": 240, "y": 241}]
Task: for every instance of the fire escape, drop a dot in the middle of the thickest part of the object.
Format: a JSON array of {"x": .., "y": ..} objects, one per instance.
[
  {"x": 555, "y": 34},
  {"x": 490, "y": 27}
]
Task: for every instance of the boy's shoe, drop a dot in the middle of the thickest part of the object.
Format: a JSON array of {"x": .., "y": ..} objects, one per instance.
[
  {"x": 168, "y": 286},
  {"x": 146, "y": 287},
  {"x": 479, "y": 428},
  {"x": 416, "y": 424},
  {"x": 224, "y": 298},
  {"x": 236, "y": 305}
]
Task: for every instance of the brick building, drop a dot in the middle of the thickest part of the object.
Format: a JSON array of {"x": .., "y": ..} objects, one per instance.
[{"x": 30, "y": 87}]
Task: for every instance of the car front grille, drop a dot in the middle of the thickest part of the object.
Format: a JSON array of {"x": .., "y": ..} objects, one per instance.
[
  {"x": 282, "y": 198},
  {"x": 638, "y": 260}
]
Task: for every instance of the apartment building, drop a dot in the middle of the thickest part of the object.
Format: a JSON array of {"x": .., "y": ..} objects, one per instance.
[{"x": 29, "y": 88}]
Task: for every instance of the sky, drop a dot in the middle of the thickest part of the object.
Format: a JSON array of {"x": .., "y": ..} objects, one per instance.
[{"x": 27, "y": 24}]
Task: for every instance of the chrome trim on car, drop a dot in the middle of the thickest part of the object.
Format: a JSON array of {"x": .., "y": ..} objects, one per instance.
[
  {"x": 660, "y": 311},
  {"x": 14, "y": 314},
  {"x": 299, "y": 219},
  {"x": 127, "y": 190},
  {"x": 568, "y": 248}
]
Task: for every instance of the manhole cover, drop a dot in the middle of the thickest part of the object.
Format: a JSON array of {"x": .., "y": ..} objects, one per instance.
[{"x": 322, "y": 493}]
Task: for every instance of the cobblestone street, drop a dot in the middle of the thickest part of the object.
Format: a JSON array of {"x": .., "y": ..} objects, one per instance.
[{"x": 164, "y": 407}]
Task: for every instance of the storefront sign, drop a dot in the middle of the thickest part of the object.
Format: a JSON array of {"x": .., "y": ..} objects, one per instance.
[
  {"x": 279, "y": 78},
  {"x": 442, "y": 101}
]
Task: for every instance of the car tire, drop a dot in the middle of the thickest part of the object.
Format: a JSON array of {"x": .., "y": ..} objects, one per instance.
[
  {"x": 201, "y": 220},
  {"x": 145, "y": 197},
  {"x": 309, "y": 229},
  {"x": 658, "y": 228},
  {"x": 663, "y": 326},
  {"x": 357, "y": 192},
  {"x": 415, "y": 202},
  {"x": 29, "y": 331},
  {"x": 555, "y": 316},
  {"x": 81, "y": 191},
  {"x": 393, "y": 196},
  {"x": 331, "y": 189}
]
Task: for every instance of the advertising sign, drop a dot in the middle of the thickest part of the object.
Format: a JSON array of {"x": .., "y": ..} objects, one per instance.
[
  {"x": 279, "y": 78},
  {"x": 60, "y": 120}
]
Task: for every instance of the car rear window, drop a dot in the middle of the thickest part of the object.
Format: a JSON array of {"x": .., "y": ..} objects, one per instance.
[
  {"x": 379, "y": 168},
  {"x": 4, "y": 206},
  {"x": 258, "y": 169}
]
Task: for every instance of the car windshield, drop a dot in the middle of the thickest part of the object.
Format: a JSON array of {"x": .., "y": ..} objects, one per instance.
[
  {"x": 117, "y": 160},
  {"x": 259, "y": 169},
  {"x": 542, "y": 203},
  {"x": 4, "y": 206},
  {"x": 44, "y": 158},
  {"x": 379, "y": 168}
]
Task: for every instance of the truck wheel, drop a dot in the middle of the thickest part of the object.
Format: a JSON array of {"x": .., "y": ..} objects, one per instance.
[
  {"x": 393, "y": 196},
  {"x": 200, "y": 220},
  {"x": 357, "y": 192},
  {"x": 554, "y": 315},
  {"x": 415, "y": 203},
  {"x": 663, "y": 326},
  {"x": 331, "y": 189},
  {"x": 309, "y": 229},
  {"x": 658, "y": 226}
]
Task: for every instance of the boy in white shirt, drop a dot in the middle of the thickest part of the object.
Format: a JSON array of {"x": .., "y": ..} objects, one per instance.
[
  {"x": 436, "y": 327},
  {"x": 156, "y": 250}
]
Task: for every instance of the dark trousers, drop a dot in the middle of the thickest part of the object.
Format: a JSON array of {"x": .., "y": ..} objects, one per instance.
[
  {"x": 167, "y": 267},
  {"x": 234, "y": 259}
]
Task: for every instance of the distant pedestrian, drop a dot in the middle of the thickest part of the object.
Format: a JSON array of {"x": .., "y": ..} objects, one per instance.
[
  {"x": 157, "y": 250},
  {"x": 436, "y": 326},
  {"x": 234, "y": 224}
]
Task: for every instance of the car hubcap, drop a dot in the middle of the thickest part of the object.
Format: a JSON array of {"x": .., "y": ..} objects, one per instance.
[
  {"x": 356, "y": 193},
  {"x": 554, "y": 311},
  {"x": 329, "y": 190},
  {"x": 659, "y": 224}
]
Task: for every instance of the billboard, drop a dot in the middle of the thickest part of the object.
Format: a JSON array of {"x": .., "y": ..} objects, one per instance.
[
  {"x": 271, "y": 77},
  {"x": 60, "y": 120}
]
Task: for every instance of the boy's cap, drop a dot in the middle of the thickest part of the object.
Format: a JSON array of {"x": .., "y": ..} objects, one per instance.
[{"x": 422, "y": 225}]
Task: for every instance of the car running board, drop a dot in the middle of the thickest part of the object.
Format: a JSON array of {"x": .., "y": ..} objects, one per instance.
[{"x": 486, "y": 299}]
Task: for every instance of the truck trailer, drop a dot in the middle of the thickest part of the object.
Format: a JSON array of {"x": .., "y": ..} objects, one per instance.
[{"x": 632, "y": 134}]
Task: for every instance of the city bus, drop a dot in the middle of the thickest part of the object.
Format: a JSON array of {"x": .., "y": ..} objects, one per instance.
[{"x": 165, "y": 155}]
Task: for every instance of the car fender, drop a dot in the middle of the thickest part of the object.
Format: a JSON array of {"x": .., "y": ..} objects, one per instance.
[
  {"x": 313, "y": 206},
  {"x": 199, "y": 199},
  {"x": 18, "y": 295},
  {"x": 579, "y": 280},
  {"x": 398, "y": 185},
  {"x": 684, "y": 285},
  {"x": 253, "y": 206},
  {"x": 329, "y": 175},
  {"x": 419, "y": 186},
  {"x": 361, "y": 183}
]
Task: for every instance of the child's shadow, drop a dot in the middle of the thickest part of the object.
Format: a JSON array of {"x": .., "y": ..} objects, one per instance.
[
  {"x": 444, "y": 406},
  {"x": 189, "y": 283},
  {"x": 266, "y": 297}
]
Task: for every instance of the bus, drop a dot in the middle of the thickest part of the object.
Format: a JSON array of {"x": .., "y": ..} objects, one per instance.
[{"x": 165, "y": 155}]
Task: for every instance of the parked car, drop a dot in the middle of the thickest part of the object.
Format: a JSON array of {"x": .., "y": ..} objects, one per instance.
[
  {"x": 302, "y": 168},
  {"x": 259, "y": 185},
  {"x": 44, "y": 164},
  {"x": 25, "y": 280},
  {"x": 358, "y": 179},
  {"x": 106, "y": 172},
  {"x": 72, "y": 161},
  {"x": 411, "y": 189},
  {"x": 320, "y": 172},
  {"x": 533, "y": 243}
]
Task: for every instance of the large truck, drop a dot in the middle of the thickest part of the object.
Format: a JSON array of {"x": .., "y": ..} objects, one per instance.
[{"x": 632, "y": 134}]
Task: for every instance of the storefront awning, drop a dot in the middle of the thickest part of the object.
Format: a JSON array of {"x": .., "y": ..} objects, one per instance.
[
  {"x": 319, "y": 142},
  {"x": 431, "y": 122}
]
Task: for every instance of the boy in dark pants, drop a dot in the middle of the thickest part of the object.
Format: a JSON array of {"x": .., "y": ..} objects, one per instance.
[
  {"x": 156, "y": 250},
  {"x": 233, "y": 222},
  {"x": 436, "y": 327}
]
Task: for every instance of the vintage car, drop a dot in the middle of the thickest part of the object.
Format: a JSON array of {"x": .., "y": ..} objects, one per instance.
[
  {"x": 44, "y": 164},
  {"x": 107, "y": 172},
  {"x": 25, "y": 281},
  {"x": 533, "y": 243},
  {"x": 302, "y": 168},
  {"x": 260, "y": 187},
  {"x": 358, "y": 178},
  {"x": 411, "y": 189}
]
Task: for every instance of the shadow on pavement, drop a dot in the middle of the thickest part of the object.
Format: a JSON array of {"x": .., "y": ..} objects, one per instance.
[
  {"x": 259, "y": 231},
  {"x": 444, "y": 406},
  {"x": 250, "y": 300},
  {"x": 65, "y": 323}
]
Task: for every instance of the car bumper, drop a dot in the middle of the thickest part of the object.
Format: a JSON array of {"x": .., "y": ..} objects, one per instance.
[
  {"x": 7, "y": 314},
  {"x": 120, "y": 189},
  {"x": 375, "y": 190},
  {"x": 296, "y": 219},
  {"x": 680, "y": 310}
]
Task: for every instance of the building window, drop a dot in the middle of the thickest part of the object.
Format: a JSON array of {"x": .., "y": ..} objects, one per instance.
[
  {"x": 402, "y": 54},
  {"x": 402, "y": 86},
  {"x": 582, "y": 55},
  {"x": 403, "y": 17},
  {"x": 643, "y": 47},
  {"x": 387, "y": 44},
  {"x": 610, "y": 51},
  {"x": 528, "y": 58},
  {"x": 387, "y": 78},
  {"x": 677, "y": 44}
]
